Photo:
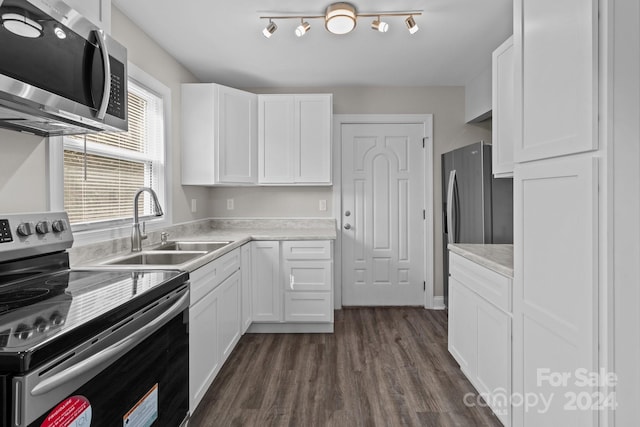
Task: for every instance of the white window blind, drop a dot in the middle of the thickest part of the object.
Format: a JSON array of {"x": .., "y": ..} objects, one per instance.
[{"x": 103, "y": 171}]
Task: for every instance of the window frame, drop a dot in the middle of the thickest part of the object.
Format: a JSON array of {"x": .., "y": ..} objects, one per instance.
[{"x": 105, "y": 230}]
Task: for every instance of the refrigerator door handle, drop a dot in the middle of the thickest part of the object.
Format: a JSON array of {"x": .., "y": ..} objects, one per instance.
[{"x": 450, "y": 210}]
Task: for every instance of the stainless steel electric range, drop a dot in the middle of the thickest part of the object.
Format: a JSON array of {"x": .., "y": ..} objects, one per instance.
[{"x": 82, "y": 347}]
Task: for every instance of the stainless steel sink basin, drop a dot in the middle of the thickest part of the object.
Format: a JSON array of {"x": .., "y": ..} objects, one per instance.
[
  {"x": 158, "y": 258},
  {"x": 191, "y": 246}
]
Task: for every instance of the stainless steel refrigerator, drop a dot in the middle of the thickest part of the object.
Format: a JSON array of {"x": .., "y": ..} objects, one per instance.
[{"x": 476, "y": 208}]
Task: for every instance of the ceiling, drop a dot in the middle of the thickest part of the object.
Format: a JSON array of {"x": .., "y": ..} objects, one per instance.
[{"x": 221, "y": 41}]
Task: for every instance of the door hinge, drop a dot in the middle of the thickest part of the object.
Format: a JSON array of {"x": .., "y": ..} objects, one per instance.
[
  {"x": 424, "y": 286},
  {"x": 424, "y": 214}
]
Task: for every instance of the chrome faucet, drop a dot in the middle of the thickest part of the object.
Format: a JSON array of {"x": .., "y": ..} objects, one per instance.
[{"x": 136, "y": 235}]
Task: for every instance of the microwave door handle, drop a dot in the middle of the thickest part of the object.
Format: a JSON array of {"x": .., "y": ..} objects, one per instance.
[
  {"x": 106, "y": 90},
  {"x": 112, "y": 352},
  {"x": 450, "y": 224}
]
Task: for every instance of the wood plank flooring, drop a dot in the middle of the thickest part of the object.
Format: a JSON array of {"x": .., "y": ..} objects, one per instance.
[{"x": 381, "y": 367}]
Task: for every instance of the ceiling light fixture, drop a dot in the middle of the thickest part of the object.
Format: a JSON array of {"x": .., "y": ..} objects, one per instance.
[
  {"x": 303, "y": 28},
  {"x": 341, "y": 18},
  {"x": 411, "y": 25},
  {"x": 379, "y": 25},
  {"x": 269, "y": 29}
]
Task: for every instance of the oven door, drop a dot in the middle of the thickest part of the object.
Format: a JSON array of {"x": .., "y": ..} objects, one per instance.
[{"x": 133, "y": 375}]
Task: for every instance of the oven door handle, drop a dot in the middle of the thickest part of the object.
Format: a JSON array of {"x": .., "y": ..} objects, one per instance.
[{"x": 110, "y": 353}]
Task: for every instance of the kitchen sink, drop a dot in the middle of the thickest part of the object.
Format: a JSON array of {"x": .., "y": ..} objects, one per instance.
[
  {"x": 158, "y": 258},
  {"x": 191, "y": 246}
]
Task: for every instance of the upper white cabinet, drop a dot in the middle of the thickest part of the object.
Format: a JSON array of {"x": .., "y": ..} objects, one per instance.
[
  {"x": 503, "y": 129},
  {"x": 97, "y": 11},
  {"x": 556, "y": 77},
  {"x": 294, "y": 134},
  {"x": 219, "y": 135}
]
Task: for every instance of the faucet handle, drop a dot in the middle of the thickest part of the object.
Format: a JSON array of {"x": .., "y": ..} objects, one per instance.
[
  {"x": 143, "y": 235},
  {"x": 163, "y": 237}
]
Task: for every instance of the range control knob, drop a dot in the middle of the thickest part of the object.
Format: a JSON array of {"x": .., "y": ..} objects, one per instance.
[
  {"x": 23, "y": 332},
  {"x": 41, "y": 325},
  {"x": 25, "y": 229},
  {"x": 42, "y": 227},
  {"x": 58, "y": 226},
  {"x": 56, "y": 319}
]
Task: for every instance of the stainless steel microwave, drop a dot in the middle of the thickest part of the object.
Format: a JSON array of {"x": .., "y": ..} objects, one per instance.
[{"x": 59, "y": 73}]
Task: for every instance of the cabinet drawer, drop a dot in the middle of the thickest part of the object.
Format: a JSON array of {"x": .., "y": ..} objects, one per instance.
[
  {"x": 308, "y": 275},
  {"x": 208, "y": 277},
  {"x": 306, "y": 249},
  {"x": 307, "y": 307},
  {"x": 490, "y": 285}
]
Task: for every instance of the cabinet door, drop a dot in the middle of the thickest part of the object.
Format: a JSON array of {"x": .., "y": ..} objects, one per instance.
[
  {"x": 503, "y": 130},
  {"x": 204, "y": 346},
  {"x": 555, "y": 304},
  {"x": 313, "y": 138},
  {"x": 97, "y": 11},
  {"x": 308, "y": 275},
  {"x": 230, "y": 310},
  {"x": 237, "y": 154},
  {"x": 556, "y": 77},
  {"x": 266, "y": 292},
  {"x": 276, "y": 140},
  {"x": 462, "y": 326},
  {"x": 308, "y": 307},
  {"x": 199, "y": 124},
  {"x": 493, "y": 361},
  {"x": 246, "y": 286}
]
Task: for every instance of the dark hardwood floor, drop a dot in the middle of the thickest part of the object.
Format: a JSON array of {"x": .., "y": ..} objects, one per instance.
[{"x": 381, "y": 367}]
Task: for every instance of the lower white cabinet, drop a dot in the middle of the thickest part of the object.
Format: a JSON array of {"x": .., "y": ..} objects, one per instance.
[
  {"x": 245, "y": 268},
  {"x": 480, "y": 331},
  {"x": 214, "y": 321},
  {"x": 292, "y": 284}
]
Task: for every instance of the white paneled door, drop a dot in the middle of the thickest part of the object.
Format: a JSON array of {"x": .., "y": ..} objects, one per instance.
[{"x": 383, "y": 175}]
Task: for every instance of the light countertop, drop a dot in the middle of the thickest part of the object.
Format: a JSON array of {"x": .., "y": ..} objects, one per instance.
[
  {"x": 498, "y": 258},
  {"x": 238, "y": 232}
]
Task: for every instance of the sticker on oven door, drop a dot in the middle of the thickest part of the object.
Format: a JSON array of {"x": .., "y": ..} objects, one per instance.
[
  {"x": 72, "y": 412},
  {"x": 145, "y": 412}
]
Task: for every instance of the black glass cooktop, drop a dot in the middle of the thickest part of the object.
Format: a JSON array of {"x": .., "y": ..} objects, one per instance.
[{"x": 50, "y": 313}]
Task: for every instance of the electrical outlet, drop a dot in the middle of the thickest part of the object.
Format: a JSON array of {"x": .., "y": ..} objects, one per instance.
[
  {"x": 323, "y": 205},
  {"x": 229, "y": 204},
  {"x": 194, "y": 205}
]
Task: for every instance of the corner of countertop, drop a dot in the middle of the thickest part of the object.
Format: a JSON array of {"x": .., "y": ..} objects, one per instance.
[{"x": 496, "y": 257}]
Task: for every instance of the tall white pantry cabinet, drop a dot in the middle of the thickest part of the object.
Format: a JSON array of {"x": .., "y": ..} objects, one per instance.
[{"x": 570, "y": 77}]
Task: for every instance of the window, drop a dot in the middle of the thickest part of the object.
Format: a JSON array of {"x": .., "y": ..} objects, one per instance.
[{"x": 101, "y": 172}]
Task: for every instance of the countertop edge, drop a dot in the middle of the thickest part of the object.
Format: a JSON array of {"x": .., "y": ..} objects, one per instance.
[{"x": 498, "y": 257}]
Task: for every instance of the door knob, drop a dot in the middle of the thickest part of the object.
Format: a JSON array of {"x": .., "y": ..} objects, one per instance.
[
  {"x": 347, "y": 213},
  {"x": 347, "y": 226}
]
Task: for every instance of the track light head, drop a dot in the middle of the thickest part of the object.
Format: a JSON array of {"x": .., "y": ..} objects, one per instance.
[
  {"x": 379, "y": 25},
  {"x": 411, "y": 25},
  {"x": 303, "y": 28},
  {"x": 269, "y": 29}
]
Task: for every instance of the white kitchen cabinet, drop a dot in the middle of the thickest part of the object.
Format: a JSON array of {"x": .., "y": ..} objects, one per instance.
[
  {"x": 556, "y": 77},
  {"x": 219, "y": 135},
  {"x": 97, "y": 11},
  {"x": 292, "y": 286},
  {"x": 480, "y": 330},
  {"x": 245, "y": 259},
  {"x": 503, "y": 127},
  {"x": 214, "y": 321},
  {"x": 230, "y": 313},
  {"x": 266, "y": 293},
  {"x": 294, "y": 138},
  {"x": 556, "y": 274}
]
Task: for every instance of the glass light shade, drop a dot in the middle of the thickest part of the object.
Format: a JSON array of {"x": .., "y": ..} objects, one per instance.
[
  {"x": 269, "y": 29},
  {"x": 379, "y": 25},
  {"x": 302, "y": 29},
  {"x": 340, "y": 18},
  {"x": 411, "y": 25}
]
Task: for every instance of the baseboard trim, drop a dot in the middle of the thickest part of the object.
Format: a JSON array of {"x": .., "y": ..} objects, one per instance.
[
  {"x": 290, "y": 328},
  {"x": 438, "y": 303}
]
